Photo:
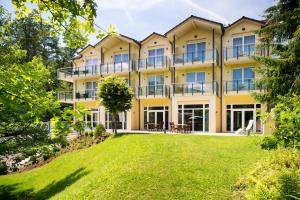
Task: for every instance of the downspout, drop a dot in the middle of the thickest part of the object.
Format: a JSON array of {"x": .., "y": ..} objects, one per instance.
[
  {"x": 139, "y": 89},
  {"x": 130, "y": 66}
]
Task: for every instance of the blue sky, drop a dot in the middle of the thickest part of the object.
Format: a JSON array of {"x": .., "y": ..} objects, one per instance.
[{"x": 139, "y": 18}]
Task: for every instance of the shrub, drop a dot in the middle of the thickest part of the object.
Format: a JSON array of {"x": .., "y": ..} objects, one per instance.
[
  {"x": 287, "y": 123},
  {"x": 99, "y": 130},
  {"x": 269, "y": 143},
  {"x": 3, "y": 168},
  {"x": 278, "y": 177},
  {"x": 33, "y": 158}
]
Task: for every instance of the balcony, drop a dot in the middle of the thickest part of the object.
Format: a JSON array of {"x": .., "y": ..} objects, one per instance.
[
  {"x": 194, "y": 89},
  {"x": 69, "y": 73},
  {"x": 152, "y": 63},
  {"x": 86, "y": 95},
  {"x": 152, "y": 91},
  {"x": 242, "y": 53},
  {"x": 204, "y": 58},
  {"x": 65, "y": 96},
  {"x": 241, "y": 86}
]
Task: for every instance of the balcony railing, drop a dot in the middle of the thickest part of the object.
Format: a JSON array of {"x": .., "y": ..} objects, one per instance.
[
  {"x": 153, "y": 62},
  {"x": 152, "y": 91},
  {"x": 86, "y": 94},
  {"x": 239, "y": 51},
  {"x": 116, "y": 67},
  {"x": 241, "y": 86},
  {"x": 190, "y": 89},
  {"x": 65, "y": 96},
  {"x": 204, "y": 56},
  {"x": 90, "y": 70}
]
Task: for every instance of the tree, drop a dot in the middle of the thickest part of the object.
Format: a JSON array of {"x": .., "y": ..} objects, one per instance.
[
  {"x": 115, "y": 95},
  {"x": 73, "y": 19},
  {"x": 280, "y": 74}
]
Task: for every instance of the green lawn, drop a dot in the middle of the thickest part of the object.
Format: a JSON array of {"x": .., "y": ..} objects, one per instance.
[{"x": 141, "y": 167}]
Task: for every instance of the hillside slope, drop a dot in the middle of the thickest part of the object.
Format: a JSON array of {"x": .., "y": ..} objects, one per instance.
[{"x": 141, "y": 167}]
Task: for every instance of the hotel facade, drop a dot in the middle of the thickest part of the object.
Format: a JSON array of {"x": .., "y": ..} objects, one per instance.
[{"x": 200, "y": 73}]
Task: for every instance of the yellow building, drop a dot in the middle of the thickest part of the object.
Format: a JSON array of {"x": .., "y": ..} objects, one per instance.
[{"x": 199, "y": 74}]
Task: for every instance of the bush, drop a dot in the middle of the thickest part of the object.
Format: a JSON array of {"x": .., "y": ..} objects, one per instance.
[
  {"x": 99, "y": 130},
  {"x": 3, "y": 168},
  {"x": 278, "y": 177},
  {"x": 33, "y": 158},
  {"x": 287, "y": 123},
  {"x": 269, "y": 143}
]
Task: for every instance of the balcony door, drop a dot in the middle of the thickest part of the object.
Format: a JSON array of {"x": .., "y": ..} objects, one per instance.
[
  {"x": 121, "y": 62},
  {"x": 92, "y": 119},
  {"x": 156, "y": 115},
  {"x": 195, "y": 82},
  {"x": 90, "y": 65},
  {"x": 195, "y": 52},
  {"x": 155, "y": 85},
  {"x": 90, "y": 89},
  {"x": 242, "y": 78},
  {"x": 155, "y": 57},
  {"x": 243, "y": 45}
]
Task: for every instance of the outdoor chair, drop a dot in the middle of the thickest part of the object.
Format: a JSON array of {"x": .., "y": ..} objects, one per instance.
[{"x": 172, "y": 127}]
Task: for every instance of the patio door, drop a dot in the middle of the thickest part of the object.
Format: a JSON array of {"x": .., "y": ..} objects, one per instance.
[
  {"x": 241, "y": 118},
  {"x": 92, "y": 119},
  {"x": 156, "y": 115}
]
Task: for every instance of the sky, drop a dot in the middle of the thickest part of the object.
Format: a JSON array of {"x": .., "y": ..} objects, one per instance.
[{"x": 140, "y": 18}]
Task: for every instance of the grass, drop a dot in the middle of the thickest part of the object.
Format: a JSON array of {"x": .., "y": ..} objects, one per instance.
[{"x": 141, "y": 167}]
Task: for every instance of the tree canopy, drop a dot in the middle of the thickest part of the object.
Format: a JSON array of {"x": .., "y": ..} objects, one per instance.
[{"x": 115, "y": 95}]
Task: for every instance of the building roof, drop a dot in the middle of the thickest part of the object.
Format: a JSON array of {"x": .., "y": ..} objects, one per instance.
[
  {"x": 151, "y": 35},
  {"x": 193, "y": 17},
  {"x": 246, "y": 18}
]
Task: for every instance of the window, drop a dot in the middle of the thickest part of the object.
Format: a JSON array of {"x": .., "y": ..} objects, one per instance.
[
  {"x": 243, "y": 45},
  {"x": 121, "y": 120},
  {"x": 195, "y": 52},
  {"x": 92, "y": 119},
  {"x": 90, "y": 89},
  {"x": 195, "y": 77},
  {"x": 197, "y": 115},
  {"x": 155, "y": 85},
  {"x": 155, "y": 57},
  {"x": 90, "y": 64},
  {"x": 119, "y": 58},
  {"x": 242, "y": 78}
]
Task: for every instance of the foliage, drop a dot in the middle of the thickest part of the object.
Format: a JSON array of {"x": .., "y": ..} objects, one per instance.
[
  {"x": 73, "y": 19},
  {"x": 3, "y": 168},
  {"x": 115, "y": 95},
  {"x": 99, "y": 130},
  {"x": 280, "y": 75},
  {"x": 278, "y": 177},
  {"x": 287, "y": 124}
]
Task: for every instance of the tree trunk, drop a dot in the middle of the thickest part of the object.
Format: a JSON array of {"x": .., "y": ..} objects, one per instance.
[{"x": 115, "y": 123}]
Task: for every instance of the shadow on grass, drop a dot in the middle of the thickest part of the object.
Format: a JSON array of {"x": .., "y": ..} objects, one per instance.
[{"x": 10, "y": 192}]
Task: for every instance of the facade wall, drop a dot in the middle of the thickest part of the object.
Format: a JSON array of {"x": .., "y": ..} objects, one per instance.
[{"x": 193, "y": 33}]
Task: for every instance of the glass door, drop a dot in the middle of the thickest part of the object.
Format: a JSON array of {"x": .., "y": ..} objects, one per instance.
[
  {"x": 237, "y": 120},
  {"x": 155, "y": 57},
  {"x": 156, "y": 85},
  {"x": 195, "y": 52}
]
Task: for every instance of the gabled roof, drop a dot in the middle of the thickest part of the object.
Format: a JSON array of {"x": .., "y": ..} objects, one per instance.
[
  {"x": 83, "y": 49},
  {"x": 197, "y": 18},
  {"x": 119, "y": 35},
  {"x": 245, "y": 18},
  {"x": 151, "y": 35}
]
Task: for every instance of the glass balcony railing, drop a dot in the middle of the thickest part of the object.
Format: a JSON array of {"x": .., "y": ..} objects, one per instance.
[
  {"x": 86, "y": 94},
  {"x": 190, "y": 89},
  {"x": 239, "y": 51},
  {"x": 241, "y": 85},
  {"x": 153, "y": 62},
  {"x": 152, "y": 91},
  {"x": 204, "y": 56},
  {"x": 90, "y": 70},
  {"x": 65, "y": 96}
]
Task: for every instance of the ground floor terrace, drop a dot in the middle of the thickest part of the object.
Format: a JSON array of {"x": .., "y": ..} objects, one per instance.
[{"x": 191, "y": 114}]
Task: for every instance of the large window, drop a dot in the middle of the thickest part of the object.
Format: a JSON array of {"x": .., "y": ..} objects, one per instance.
[
  {"x": 239, "y": 116},
  {"x": 90, "y": 89},
  {"x": 155, "y": 57},
  {"x": 156, "y": 116},
  {"x": 195, "y": 52},
  {"x": 195, "y": 77},
  {"x": 242, "y": 78},
  {"x": 121, "y": 121},
  {"x": 92, "y": 119},
  {"x": 243, "y": 45},
  {"x": 122, "y": 57},
  {"x": 91, "y": 63},
  {"x": 197, "y": 115},
  {"x": 155, "y": 85}
]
